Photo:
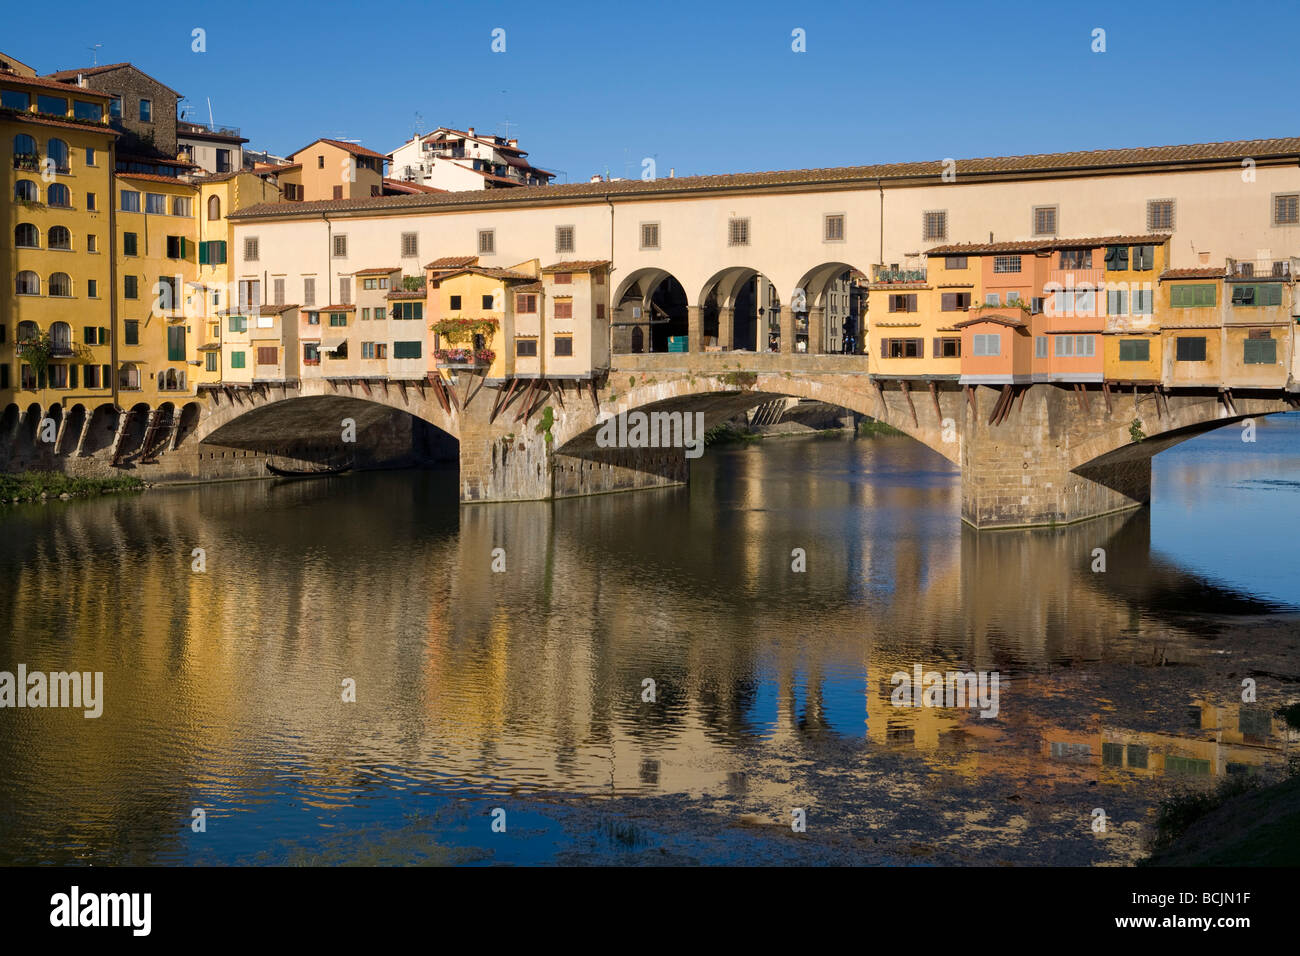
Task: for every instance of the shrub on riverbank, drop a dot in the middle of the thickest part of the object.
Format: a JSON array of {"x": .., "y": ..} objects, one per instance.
[
  {"x": 728, "y": 434},
  {"x": 33, "y": 485}
]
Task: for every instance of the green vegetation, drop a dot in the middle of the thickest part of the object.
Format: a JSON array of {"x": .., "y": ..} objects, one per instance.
[
  {"x": 739, "y": 379},
  {"x": 544, "y": 424},
  {"x": 728, "y": 434},
  {"x": 34, "y": 485},
  {"x": 1135, "y": 431},
  {"x": 1239, "y": 823},
  {"x": 869, "y": 426}
]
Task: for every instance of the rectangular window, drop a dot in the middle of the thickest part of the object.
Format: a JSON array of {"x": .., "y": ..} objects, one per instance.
[
  {"x": 251, "y": 249},
  {"x": 526, "y": 348},
  {"x": 902, "y": 303},
  {"x": 526, "y": 303},
  {"x": 1116, "y": 258},
  {"x": 1117, "y": 302},
  {"x": 1259, "y": 351},
  {"x": 1286, "y": 209},
  {"x": 1006, "y": 263},
  {"x": 1190, "y": 349},
  {"x": 418, "y": 308},
  {"x": 410, "y": 244},
  {"x": 947, "y": 347},
  {"x": 563, "y": 278},
  {"x": 91, "y": 202},
  {"x": 155, "y": 204},
  {"x": 407, "y": 350},
  {"x": 237, "y": 360},
  {"x": 487, "y": 242},
  {"x": 487, "y": 302},
  {"x": 1134, "y": 350},
  {"x": 87, "y": 111},
  {"x": 1085, "y": 346},
  {"x": 340, "y": 247},
  {"x": 176, "y": 343},
  {"x": 16, "y": 101},
  {"x": 268, "y": 355},
  {"x": 131, "y": 332},
  {"x": 51, "y": 105},
  {"x": 131, "y": 287},
  {"x": 833, "y": 230},
  {"x": 1064, "y": 346},
  {"x": 404, "y": 311},
  {"x": 934, "y": 225},
  {"x": 992, "y": 298},
  {"x": 1266, "y": 294},
  {"x": 92, "y": 288},
  {"x": 954, "y": 262},
  {"x": 115, "y": 106},
  {"x": 738, "y": 232},
  {"x": 369, "y": 283},
  {"x": 146, "y": 111},
  {"x": 564, "y": 345},
  {"x": 1044, "y": 220},
  {"x": 223, "y": 160},
  {"x": 309, "y": 290},
  {"x": 563, "y": 308},
  {"x": 563, "y": 239},
  {"x": 181, "y": 206},
  {"x": 91, "y": 375},
  {"x": 1192, "y": 296},
  {"x": 210, "y": 362},
  {"x": 954, "y": 302},
  {"x": 130, "y": 244},
  {"x": 1077, "y": 258},
  {"x": 986, "y": 344},
  {"x": 175, "y": 247},
  {"x": 1040, "y": 346},
  {"x": 1160, "y": 215},
  {"x": 130, "y": 200},
  {"x": 365, "y": 315},
  {"x": 338, "y": 319},
  {"x": 1142, "y": 300},
  {"x": 367, "y": 350},
  {"x": 277, "y": 290},
  {"x": 310, "y": 353},
  {"x": 1144, "y": 258},
  {"x": 453, "y": 303},
  {"x": 237, "y": 323},
  {"x": 345, "y": 290},
  {"x": 250, "y": 293},
  {"x": 649, "y": 235},
  {"x": 901, "y": 348}
]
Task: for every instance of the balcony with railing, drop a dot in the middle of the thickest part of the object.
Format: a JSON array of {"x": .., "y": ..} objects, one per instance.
[
  {"x": 881, "y": 275},
  {"x": 1241, "y": 270},
  {"x": 214, "y": 129}
]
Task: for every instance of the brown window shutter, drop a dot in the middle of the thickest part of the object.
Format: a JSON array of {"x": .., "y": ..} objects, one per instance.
[
  {"x": 884, "y": 348},
  {"x": 938, "y": 348},
  {"x": 338, "y": 192}
]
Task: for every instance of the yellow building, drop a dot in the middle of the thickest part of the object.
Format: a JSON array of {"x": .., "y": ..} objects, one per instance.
[
  {"x": 330, "y": 169},
  {"x": 483, "y": 301},
  {"x": 56, "y": 336},
  {"x": 157, "y": 242},
  {"x": 213, "y": 291},
  {"x": 1189, "y": 303},
  {"x": 1131, "y": 345},
  {"x": 913, "y": 316},
  {"x": 575, "y": 303}
]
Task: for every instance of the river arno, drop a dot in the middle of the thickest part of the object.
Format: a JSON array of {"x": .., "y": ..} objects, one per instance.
[{"x": 523, "y": 690}]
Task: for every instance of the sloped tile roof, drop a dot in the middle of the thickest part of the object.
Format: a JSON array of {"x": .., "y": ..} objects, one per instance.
[
  {"x": 1102, "y": 160},
  {"x": 1045, "y": 245},
  {"x": 577, "y": 265}
]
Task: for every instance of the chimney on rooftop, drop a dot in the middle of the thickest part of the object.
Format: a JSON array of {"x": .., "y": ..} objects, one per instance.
[
  {"x": 470, "y": 131},
  {"x": 672, "y": 172},
  {"x": 512, "y": 142}
]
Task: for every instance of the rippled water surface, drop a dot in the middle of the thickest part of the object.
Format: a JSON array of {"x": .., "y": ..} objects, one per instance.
[{"x": 524, "y": 689}]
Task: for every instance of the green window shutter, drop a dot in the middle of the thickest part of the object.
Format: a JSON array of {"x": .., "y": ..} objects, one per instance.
[
  {"x": 72, "y": 375},
  {"x": 1178, "y": 297},
  {"x": 236, "y": 359},
  {"x": 222, "y": 248},
  {"x": 203, "y": 253},
  {"x": 1206, "y": 295},
  {"x": 176, "y": 343},
  {"x": 1270, "y": 294}
]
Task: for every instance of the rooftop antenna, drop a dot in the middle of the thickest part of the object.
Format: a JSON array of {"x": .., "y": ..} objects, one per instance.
[
  {"x": 507, "y": 124},
  {"x": 211, "y": 123},
  {"x": 419, "y": 122},
  {"x": 94, "y": 58}
]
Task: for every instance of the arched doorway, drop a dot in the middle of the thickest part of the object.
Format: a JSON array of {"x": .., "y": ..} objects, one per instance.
[
  {"x": 831, "y": 316},
  {"x": 650, "y": 314},
  {"x": 743, "y": 307}
]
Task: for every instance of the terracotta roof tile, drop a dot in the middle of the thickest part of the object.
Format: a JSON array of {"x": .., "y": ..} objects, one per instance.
[
  {"x": 1101, "y": 160},
  {"x": 1010, "y": 321},
  {"x": 46, "y": 83},
  {"x": 154, "y": 178},
  {"x": 62, "y": 124},
  {"x": 1045, "y": 245},
  {"x": 378, "y": 271},
  {"x": 405, "y": 294},
  {"x": 577, "y": 265},
  {"x": 452, "y": 262},
  {"x": 1204, "y": 272},
  {"x": 352, "y": 148}
]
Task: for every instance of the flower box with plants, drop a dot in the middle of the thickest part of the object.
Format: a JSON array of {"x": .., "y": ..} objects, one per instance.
[
  {"x": 465, "y": 358},
  {"x": 456, "y": 331}
]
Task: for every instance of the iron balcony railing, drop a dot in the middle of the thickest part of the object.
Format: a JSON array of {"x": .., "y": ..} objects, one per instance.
[{"x": 1261, "y": 269}]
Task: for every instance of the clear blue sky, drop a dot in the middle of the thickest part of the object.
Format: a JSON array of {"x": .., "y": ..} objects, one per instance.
[{"x": 708, "y": 87}]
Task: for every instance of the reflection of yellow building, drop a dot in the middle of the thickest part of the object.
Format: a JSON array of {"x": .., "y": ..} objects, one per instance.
[{"x": 58, "y": 187}]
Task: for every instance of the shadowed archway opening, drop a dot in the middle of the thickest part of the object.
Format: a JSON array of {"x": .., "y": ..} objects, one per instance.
[{"x": 650, "y": 313}]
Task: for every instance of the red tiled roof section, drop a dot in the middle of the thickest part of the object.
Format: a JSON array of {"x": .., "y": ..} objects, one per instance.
[
  {"x": 508, "y": 275},
  {"x": 578, "y": 265},
  {"x": 62, "y": 124},
  {"x": 154, "y": 178},
  {"x": 1204, "y": 272},
  {"x": 275, "y": 168},
  {"x": 1008, "y": 320},
  {"x": 411, "y": 187},
  {"x": 86, "y": 71},
  {"x": 867, "y": 176},
  {"x": 352, "y": 148},
  {"x": 378, "y": 271},
  {"x": 333, "y": 308},
  {"x": 45, "y": 83},
  {"x": 405, "y": 294},
  {"x": 1045, "y": 245},
  {"x": 452, "y": 262}
]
